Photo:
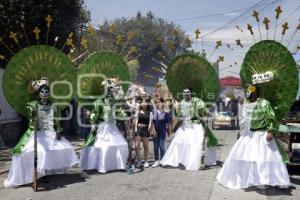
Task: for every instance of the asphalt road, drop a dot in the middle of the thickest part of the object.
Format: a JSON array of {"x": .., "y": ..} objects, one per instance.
[{"x": 152, "y": 183}]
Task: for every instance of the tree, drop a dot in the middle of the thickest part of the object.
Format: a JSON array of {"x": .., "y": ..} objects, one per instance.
[
  {"x": 141, "y": 40},
  {"x": 68, "y": 16},
  {"x": 151, "y": 38},
  {"x": 150, "y": 15},
  {"x": 138, "y": 14}
]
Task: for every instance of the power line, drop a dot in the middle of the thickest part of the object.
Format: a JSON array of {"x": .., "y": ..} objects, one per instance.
[
  {"x": 265, "y": 5},
  {"x": 233, "y": 20},
  {"x": 262, "y": 2},
  {"x": 260, "y": 6},
  {"x": 211, "y": 15},
  {"x": 113, "y": 36},
  {"x": 260, "y": 10},
  {"x": 229, "y": 52},
  {"x": 290, "y": 15}
]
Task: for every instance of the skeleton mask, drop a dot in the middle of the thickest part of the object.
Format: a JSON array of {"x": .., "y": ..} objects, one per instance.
[
  {"x": 44, "y": 93},
  {"x": 262, "y": 78},
  {"x": 186, "y": 93},
  {"x": 255, "y": 78},
  {"x": 268, "y": 76}
]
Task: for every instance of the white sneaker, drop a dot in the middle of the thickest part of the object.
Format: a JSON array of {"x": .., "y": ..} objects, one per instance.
[
  {"x": 146, "y": 165},
  {"x": 155, "y": 164}
]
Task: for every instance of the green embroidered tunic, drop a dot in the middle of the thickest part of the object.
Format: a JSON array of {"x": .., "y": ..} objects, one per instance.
[
  {"x": 263, "y": 119},
  {"x": 194, "y": 111},
  {"x": 104, "y": 110},
  {"x": 47, "y": 119}
]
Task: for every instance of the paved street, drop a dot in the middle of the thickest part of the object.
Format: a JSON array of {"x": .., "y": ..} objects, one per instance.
[{"x": 158, "y": 183}]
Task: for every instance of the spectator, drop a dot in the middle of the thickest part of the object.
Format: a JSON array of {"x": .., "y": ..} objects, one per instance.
[
  {"x": 85, "y": 120},
  {"x": 220, "y": 105},
  {"x": 161, "y": 119},
  {"x": 143, "y": 125}
]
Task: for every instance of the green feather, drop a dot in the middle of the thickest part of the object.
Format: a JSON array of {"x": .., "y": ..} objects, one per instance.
[{"x": 269, "y": 55}]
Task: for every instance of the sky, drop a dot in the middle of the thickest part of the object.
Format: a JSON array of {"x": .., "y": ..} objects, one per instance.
[{"x": 218, "y": 16}]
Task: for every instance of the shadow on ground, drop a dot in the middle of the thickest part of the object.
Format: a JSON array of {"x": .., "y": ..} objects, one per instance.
[
  {"x": 272, "y": 191},
  {"x": 54, "y": 182}
]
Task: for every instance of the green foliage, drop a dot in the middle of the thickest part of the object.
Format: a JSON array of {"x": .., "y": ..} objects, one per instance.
[
  {"x": 269, "y": 55},
  {"x": 147, "y": 29},
  {"x": 105, "y": 63},
  {"x": 192, "y": 71},
  {"x": 68, "y": 16},
  {"x": 32, "y": 63}
]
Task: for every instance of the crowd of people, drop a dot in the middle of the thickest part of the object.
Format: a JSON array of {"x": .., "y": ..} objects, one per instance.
[{"x": 108, "y": 145}]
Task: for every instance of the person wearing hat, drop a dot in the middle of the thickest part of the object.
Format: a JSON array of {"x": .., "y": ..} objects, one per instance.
[
  {"x": 106, "y": 148},
  {"x": 55, "y": 153},
  {"x": 189, "y": 146},
  {"x": 255, "y": 159}
]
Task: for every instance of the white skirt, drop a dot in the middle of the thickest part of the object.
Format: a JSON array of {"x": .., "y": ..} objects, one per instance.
[
  {"x": 253, "y": 161},
  {"x": 186, "y": 148},
  {"x": 109, "y": 151},
  {"x": 54, "y": 156}
]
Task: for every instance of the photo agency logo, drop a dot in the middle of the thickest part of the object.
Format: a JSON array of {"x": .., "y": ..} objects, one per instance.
[
  {"x": 112, "y": 102},
  {"x": 67, "y": 86}
]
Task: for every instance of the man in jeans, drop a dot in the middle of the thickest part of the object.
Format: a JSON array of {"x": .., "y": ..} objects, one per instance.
[{"x": 161, "y": 119}]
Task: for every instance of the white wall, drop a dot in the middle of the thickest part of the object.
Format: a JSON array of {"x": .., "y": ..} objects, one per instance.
[{"x": 8, "y": 113}]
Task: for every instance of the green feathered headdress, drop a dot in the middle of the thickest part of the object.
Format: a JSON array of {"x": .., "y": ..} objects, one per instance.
[
  {"x": 193, "y": 71},
  {"x": 95, "y": 69},
  {"x": 33, "y": 63},
  {"x": 271, "y": 60}
]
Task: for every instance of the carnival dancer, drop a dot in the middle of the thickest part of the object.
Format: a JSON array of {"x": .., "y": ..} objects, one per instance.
[
  {"x": 187, "y": 147},
  {"x": 106, "y": 148},
  {"x": 55, "y": 154},
  {"x": 255, "y": 159}
]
